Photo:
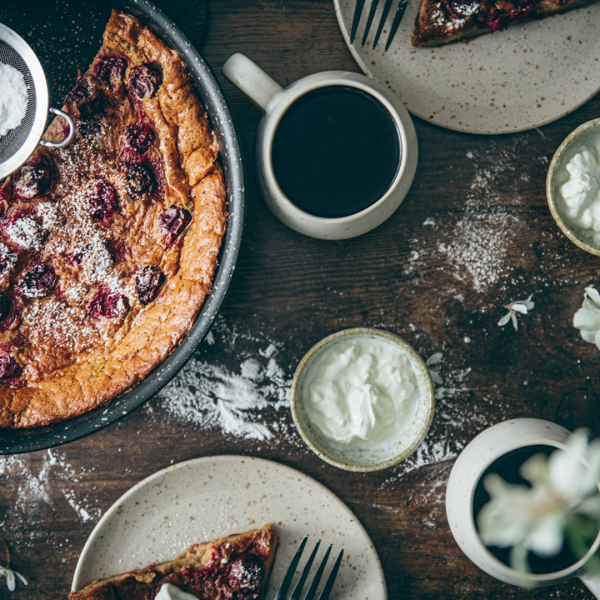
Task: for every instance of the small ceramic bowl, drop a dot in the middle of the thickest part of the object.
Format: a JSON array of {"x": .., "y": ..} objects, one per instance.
[
  {"x": 352, "y": 459},
  {"x": 551, "y": 191}
]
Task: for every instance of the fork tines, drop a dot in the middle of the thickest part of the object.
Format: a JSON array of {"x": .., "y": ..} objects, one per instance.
[
  {"x": 360, "y": 5},
  {"x": 312, "y": 590}
]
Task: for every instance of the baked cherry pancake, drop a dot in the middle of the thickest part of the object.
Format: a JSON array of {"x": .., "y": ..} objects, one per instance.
[
  {"x": 230, "y": 568},
  {"x": 444, "y": 21},
  {"x": 108, "y": 246}
]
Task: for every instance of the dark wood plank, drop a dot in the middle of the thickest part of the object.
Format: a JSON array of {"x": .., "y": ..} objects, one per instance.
[{"x": 477, "y": 205}]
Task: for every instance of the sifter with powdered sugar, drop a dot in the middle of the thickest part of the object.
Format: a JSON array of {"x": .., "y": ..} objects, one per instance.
[{"x": 22, "y": 74}]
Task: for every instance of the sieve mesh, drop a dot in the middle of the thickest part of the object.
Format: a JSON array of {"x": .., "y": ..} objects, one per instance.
[{"x": 14, "y": 139}]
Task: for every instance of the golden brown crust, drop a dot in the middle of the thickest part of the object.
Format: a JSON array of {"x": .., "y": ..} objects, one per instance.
[
  {"x": 72, "y": 380},
  {"x": 203, "y": 569},
  {"x": 442, "y": 22}
]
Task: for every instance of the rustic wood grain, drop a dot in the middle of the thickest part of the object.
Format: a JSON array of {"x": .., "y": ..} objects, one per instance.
[{"x": 295, "y": 290}]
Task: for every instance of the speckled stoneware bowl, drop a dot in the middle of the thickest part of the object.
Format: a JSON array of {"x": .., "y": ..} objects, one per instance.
[
  {"x": 353, "y": 459},
  {"x": 551, "y": 192}
]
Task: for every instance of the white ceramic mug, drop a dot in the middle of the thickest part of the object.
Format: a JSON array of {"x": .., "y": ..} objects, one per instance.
[
  {"x": 275, "y": 101},
  {"x": 486, "y": 448}
]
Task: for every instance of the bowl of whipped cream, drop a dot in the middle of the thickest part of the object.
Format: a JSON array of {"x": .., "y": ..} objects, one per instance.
[
  {"x": 362, "y": 399},
  {"x": 573, "y": 187}
]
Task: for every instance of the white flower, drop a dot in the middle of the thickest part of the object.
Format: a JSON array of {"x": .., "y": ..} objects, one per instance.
[
  {"x": 536, "y": 518},
  {"x": 587, "y": 318},
  {"x": 11, "y": 581},
  {"x": 521, "y": 307},
  {"x": 11, "y": 576}
]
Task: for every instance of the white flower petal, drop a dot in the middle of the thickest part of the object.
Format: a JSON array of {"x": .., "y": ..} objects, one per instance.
[
  {"x": 520, "y": 308},
  {"x": 592, "y": 293},
  {"x": 505, "y": 319},
  {"x": 10, "y": 580},
  {"x": 515, "y": 322},
  {"x": 589, "y": 336},
  {"x": 591, "y": 306},
  {"x": 567, "y": 467},
  {"x": 590, "y": 507},
  {"x": 585, "y": 319},
  {"x": 434, "y": 359},
  {"x": 547, "y": 537},
  {"x": 435, "y": 377}
]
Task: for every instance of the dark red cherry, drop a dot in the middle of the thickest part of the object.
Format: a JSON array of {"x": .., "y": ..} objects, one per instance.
[
  {"x": 118, "y": 248},
  {"x": 33, "y": 178},
  {"x": 89, "y": 128},
  {"x": 173, "y": 221},
  {"x": 81, "y": 91},
  {"x": 143, "y": 82},
  {"x": 103, "y": 201},
  {"x": 139, "y": 136},
  {"x": 4, "y": 196},
  {"x": 5, "y": 306},
  {"x": 109, "y": 71},
  {"x": 246, "y": 573},
  {"x": 9, "y": 367},
  {"x": 8, "y": 260},
  {"x": 12, "y": 319},
  {"x": 108, "y": 304},
  {"x": 148, "y": 283},
  {"x": 38, "y": 282},
  {"x": 139, "y": 181}
]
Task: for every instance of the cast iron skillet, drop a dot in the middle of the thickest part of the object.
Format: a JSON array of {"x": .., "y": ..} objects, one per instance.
[{"x": 38, "y": 438}]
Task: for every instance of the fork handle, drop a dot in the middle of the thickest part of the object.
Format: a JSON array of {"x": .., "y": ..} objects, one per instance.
[{"x": 251, "y": 79}]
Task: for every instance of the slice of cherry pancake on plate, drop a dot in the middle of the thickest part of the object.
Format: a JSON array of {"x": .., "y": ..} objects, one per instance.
[
  {"x": 109, "y": 245},
  {"x": 444, "y": 21},
  {"x": 236, "y": 567}
]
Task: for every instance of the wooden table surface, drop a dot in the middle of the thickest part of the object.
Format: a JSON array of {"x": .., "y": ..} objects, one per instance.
[{"x": 473, "y": 234}]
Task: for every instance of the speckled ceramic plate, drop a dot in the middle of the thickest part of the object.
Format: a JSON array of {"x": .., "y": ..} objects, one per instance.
[
  {"x": 518, "y": 79},
  {"x": 215, "y": 496}
]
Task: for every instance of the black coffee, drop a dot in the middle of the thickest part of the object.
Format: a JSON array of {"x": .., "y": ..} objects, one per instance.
[
  {"x": 508, "y": 467},
  {"x": 336, "y": 151}
]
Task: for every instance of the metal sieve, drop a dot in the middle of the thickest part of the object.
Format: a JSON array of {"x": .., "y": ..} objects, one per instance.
[{"x": 19, "y": 143}]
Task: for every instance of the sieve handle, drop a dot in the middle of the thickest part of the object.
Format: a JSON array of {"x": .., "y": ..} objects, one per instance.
[{"x": 71, "y": 125}]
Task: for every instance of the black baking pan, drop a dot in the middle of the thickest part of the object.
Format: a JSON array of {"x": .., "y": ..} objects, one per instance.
[{"x": 66, "y": 35}]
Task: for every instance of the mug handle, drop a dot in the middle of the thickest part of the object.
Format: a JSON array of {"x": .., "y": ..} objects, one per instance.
[
  {"x": 592, "y": 583},
  {"x": 251, "y": 79}
]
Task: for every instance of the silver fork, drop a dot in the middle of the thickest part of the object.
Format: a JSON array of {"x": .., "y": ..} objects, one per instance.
[
  {"x": 312, "y": 590},
  {"x": 360, "y": 4}
]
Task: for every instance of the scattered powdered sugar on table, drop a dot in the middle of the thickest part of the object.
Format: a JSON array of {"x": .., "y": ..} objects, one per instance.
[
  {"x": 475, "y": 246},
  {"x": 236, "y": 399},
  {"x": 13, "y": 98},
  {"x": 32, "y": 480},
  {"x": 480, "y": 247}
]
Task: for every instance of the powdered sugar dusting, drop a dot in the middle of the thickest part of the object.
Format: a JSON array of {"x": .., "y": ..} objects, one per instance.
[
  {"x": 480, "y": 247},
  {"x": 50, "y": 215},
  {"x": 237, "y": 399},
  {"x": 26, "y": 232},
  {"x": 97, "y": 261},
  {"x": 34, "y": 480}
]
